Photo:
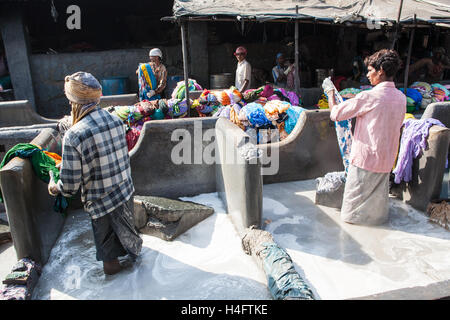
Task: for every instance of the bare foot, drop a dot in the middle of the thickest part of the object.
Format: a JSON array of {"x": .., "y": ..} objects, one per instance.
[{"x": 112, "y": 267}]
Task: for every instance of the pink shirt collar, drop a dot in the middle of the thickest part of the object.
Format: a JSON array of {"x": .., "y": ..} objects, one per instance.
[{"x": 385, "y": 84}]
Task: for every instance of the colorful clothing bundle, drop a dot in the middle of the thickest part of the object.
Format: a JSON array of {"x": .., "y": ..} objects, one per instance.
[
  {"x": 274, "y": 108},
  {"x": 20, "y": 283},
  {"x": 180, "y": 90},
  {"x": 147, "y": 82},
  {"x": 229, "y": 96},
  {"x": 267, "y": 93},
  {"x": 254, "y": 115},
  {"x": 206, "y": 104},
  {"x": 413, "y": 99},
  {"x": 134, "y": 116},
  {"x": 177, "y": 108},
  {"x": 293, "y": 113},
  {"x": 440, "y": 93},
  {"x": 349, "y": 93},
  {"x": 231, "y": 113},
  {"x": 413, "y": 141},
  {"x": 42, "y": 162},
  {"x": 431, "y": 93}
]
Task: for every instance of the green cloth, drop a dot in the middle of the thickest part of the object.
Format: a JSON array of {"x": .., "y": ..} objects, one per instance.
[{"x": 42, "y": 164}]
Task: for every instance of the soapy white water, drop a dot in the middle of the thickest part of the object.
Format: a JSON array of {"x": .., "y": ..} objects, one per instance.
[
  {"x": 340, "y": 260},
  {"x": 336, "y": 259},
  {"x": 206, "y": 262}
]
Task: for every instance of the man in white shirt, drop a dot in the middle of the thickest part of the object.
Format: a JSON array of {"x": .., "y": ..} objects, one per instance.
[{"x": 243, "y": 71}]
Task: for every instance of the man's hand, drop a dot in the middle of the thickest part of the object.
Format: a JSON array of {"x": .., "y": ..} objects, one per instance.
[
  {"x": 151, "y": 93},
  {"x": 52, "y": 186},
  {"x": 327, "y": 86}
]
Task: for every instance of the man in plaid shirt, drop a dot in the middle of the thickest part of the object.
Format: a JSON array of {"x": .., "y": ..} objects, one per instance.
[{"x": 95, "y": 158}]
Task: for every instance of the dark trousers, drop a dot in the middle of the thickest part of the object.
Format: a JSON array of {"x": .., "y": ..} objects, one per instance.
[{"x": 115, "y": 234}]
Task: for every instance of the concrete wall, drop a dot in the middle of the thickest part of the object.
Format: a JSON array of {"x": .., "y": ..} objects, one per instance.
[
  {"x": 153, "y": 171},
  {"x": 48, "y": 72},
  {"x": 34, "y": 225},
  {"x": 238, "y": 179},
  {"x": 15, "y": 38}
]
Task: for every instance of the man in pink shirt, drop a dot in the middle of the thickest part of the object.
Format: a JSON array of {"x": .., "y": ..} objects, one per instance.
[{"x": 379, "y": 116}]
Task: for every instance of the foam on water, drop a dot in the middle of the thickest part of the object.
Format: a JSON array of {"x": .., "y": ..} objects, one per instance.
[
  {"x": 340, "y": 260},
  {"x": 206, "y": 262}
]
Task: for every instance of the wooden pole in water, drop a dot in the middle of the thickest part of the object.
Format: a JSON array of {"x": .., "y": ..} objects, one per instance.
[
  {"x": 297, "y": 66},
  {"x": 408, "y": 59},
  {"x": 185, "y": 65}
]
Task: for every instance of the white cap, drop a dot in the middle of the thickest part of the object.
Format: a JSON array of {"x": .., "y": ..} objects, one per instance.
[{"x": 155, "y": 52}]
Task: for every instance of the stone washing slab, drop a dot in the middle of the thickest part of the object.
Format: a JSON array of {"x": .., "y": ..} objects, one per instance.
[{"x": 167, "y": 218}]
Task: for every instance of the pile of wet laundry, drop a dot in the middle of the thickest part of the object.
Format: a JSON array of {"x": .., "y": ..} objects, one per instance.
[
  {"x": 418, "y": 96},
  {"x": 263, "y": 108},
  {"x": 266, "y": 114},
  {"x": 20, "y": 283}
]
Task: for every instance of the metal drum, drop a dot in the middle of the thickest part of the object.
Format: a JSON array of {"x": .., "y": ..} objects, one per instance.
[{"x": 221, "y": 81}]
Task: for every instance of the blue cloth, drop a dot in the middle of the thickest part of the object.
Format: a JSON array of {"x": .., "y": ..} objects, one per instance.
[
  {"x": 293, "y": 114},
  {"x": 144, "y": 86},
  {"x": 282, "y": 278},
  {"x": 256, "y": 115},
  {"x": 415, "y": 95},
  {"x": 412, "y": 142}
]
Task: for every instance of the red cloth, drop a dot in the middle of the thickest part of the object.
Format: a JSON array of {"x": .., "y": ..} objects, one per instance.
[{"x": 132, "y": 138}]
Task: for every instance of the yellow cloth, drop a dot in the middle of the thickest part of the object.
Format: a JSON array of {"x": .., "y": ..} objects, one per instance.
[
  {"x": 323, "y": 102},
  {"x": 409, "y": 116},
  {"x": 147, "y": 77}
]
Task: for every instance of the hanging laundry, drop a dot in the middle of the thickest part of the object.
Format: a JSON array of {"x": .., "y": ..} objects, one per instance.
[
  {"x": 42, "y": 164},
  {"x": 344, "y": 134},
  {"x": 293, "y": 113},
  {"x": 412, "y": 142}
]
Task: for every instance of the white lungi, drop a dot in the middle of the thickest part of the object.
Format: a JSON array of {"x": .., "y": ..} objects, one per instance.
[{"x": 366, "y": 197}]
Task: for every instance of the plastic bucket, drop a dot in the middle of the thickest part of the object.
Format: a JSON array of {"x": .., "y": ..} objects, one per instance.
[{"x": 114, "y": 85}]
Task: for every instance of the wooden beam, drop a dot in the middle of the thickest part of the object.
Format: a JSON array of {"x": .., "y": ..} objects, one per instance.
[
  {"x": 185, "y": 64},
  {"x": 297, "y": 66},
  {"x": 408, "y": 59}
]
